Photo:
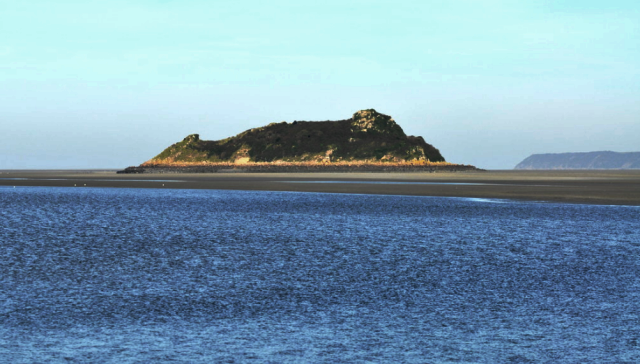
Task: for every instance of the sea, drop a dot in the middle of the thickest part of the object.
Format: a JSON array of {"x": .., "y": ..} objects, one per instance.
[{"x": 107, "y": 275}]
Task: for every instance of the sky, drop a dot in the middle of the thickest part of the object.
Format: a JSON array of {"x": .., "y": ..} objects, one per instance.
[{"x": 110, "y": 84}]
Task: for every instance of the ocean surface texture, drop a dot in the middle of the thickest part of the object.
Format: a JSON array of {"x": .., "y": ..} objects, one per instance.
[{"x": 141, "y": 275}]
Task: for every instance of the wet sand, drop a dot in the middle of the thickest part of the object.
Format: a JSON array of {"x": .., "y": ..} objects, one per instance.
[{"x": 591, "y": 187}]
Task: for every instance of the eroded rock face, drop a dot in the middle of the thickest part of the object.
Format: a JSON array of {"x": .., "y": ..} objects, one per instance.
[
  {"x": 193, "y": 138},
  {"x": 372, "y": 121}
]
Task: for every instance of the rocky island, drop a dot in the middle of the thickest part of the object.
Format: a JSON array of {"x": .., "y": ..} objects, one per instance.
[{"x": 368, "y": 141}]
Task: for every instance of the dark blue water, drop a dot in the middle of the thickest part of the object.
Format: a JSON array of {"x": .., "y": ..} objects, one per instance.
[{"x": 134, "y": 275}]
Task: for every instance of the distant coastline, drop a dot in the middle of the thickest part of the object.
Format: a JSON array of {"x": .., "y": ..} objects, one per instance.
[{"x": 586, "y": 160}]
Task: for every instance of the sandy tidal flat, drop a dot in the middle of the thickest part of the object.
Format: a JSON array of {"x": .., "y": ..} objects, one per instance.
[{"x": 592, "y": 187}]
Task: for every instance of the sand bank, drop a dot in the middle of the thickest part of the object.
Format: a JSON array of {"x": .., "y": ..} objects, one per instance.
[{"x": 592, "y": 187}]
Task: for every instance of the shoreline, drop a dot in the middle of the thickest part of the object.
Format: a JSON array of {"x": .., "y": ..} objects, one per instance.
[
  {"x": 601, "y": 187},
  {"x": 301, "y": 167}
]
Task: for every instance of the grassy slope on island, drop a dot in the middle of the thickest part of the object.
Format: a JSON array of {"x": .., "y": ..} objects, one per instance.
[{"x": 367, "y": 137}]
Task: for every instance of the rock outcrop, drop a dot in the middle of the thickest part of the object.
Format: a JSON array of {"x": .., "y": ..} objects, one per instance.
[{"x": 366, "y": 137}]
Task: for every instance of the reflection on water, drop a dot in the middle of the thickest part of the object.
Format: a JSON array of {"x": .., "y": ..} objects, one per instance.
[
  {"x": 398, "y": 183},
  {"x": 92, "y": 179}
]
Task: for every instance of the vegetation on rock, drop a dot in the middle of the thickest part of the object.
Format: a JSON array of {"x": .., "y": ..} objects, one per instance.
[{"x": 367, "y": 137}]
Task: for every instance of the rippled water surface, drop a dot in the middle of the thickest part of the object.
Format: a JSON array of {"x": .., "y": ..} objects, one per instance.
[{"x": 135, "y": 275}]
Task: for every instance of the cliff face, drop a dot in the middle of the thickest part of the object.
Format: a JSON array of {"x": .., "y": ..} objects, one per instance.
[
  {"x": 367, "y": 136},
  {"x": 590, "y": 160}
]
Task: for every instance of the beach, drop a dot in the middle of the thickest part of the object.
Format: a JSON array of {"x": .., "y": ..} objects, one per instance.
[{"x": 603, "y": 187}]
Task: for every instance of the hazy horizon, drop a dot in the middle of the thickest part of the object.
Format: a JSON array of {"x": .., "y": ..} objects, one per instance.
[{"x": 488, "y": 83}]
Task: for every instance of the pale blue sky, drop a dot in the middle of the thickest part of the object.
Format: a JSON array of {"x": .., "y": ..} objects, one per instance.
[{"x": 108, "y": 84}]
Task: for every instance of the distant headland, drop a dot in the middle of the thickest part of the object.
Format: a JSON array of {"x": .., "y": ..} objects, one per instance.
[
  {"x": 368, "y": 141},
  {"x": 588, "y": 160}
]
